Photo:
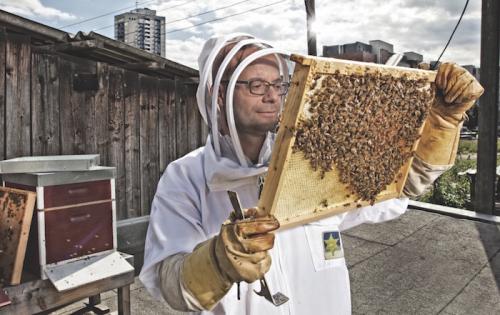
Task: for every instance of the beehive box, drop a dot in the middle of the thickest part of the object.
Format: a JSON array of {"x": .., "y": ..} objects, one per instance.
[
  {"x": 346, "y": 138},
  {"x": 75, "y": 216}
]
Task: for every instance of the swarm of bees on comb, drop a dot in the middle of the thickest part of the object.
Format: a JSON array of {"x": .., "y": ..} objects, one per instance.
[{"x": 363, "y": 124}]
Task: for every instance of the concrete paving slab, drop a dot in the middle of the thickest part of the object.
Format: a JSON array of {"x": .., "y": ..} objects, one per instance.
[
  {"x": 425, "y": 271},
  {"x": 137, "y": 284},
  {"x": 357, "y": 250},
  {"x": 144, "y": 304},
  {"x": 481, "y": 295},
  {"x": 392, "y": 232}
]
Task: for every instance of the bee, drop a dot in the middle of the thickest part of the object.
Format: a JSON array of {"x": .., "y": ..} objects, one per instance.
[{"x": 364, "y": 125}]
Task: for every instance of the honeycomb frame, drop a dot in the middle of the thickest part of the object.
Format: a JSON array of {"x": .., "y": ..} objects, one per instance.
[{"x": 293, "y": 191}]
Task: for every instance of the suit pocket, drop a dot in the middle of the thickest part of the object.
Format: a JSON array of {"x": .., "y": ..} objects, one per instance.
[{"x": 325, "y": 244}]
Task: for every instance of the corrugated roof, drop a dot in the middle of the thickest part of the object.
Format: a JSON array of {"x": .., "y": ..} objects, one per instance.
[{"x": 94, "y": 46}]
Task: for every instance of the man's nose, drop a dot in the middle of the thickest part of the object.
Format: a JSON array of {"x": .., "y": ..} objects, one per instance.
[{"x": 271, "y": 95}]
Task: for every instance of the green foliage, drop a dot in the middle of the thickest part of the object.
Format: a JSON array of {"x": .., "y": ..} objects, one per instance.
[
  {"x": 451, "y": 189},
  {"x": 467, "y": 146},
  {"x": 470, "y": 146}
]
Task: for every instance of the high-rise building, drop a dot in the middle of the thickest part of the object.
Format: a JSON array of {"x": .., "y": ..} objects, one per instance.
[{"x": 143, "y": 29}]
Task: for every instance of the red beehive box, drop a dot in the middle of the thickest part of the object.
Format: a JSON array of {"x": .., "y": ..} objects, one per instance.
[{"x": 75, "y": 215}]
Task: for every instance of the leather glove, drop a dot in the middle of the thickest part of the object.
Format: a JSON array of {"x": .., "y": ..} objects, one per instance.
[
  {"x": 237, "y": 253},
  {"x": 457, "y": 91}
]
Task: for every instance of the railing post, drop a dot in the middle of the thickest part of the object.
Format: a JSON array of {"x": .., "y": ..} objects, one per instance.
[{"x": 484, "y": 201}]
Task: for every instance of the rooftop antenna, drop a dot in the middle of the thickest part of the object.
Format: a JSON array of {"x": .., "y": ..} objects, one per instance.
[{"x": 137, "y": 4}]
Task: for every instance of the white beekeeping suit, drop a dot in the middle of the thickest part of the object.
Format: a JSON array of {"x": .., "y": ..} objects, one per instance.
[{"x": 191, "y": 203}]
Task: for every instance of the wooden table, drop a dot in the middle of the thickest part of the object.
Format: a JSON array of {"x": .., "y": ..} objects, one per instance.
[{"x": 40, "y": 296}]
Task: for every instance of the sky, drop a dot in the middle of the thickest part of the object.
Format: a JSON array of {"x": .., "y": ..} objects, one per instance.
[{"x": 422, "y": 26}]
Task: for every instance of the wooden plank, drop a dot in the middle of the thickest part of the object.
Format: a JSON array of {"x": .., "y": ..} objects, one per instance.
[
  {"x": 77, "y": 110},
  {"x": 3, "y": 46},
  {"x": 328, "y": 65},
  {"x": 65, "y": 89},
  {"x": 40, "y": 295},
  {"x": 101, "y": 122},
  {"x": 131, "y": 131},
  {"x": 166, "y": 123},
  {"x": 148, "y": 140},
  {"x": 16, "y": 211},
  {"x": 17, "y": 96},
  {"x": 488, "y": 111},
  {"x": 193, "y": 117},
  {"x": 124, "y": 300},
  {"x": 45, "y": 105},
  {"x": 116, "y": 137},
  {"x": 79, "y": 46},
  {"x": 181, "y": 131}
]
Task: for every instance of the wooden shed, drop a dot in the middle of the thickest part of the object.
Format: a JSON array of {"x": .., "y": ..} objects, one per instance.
[{"x": 82, "y": 94}]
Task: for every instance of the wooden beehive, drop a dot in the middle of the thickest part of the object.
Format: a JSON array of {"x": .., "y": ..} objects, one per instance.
[
  {"x": 295, "y": 192},
  {"x": 75, "y": 215}
]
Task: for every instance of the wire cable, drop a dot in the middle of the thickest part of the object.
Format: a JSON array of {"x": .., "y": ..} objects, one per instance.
[
  {"x": 206, "y": 12},
  {"x": 183, "y": 19},
  {"x": 213, "y": 20},
  {"x": 227, "y": 16},
  {"x": 451, "y": 36},
  {"x": 174, "y": 6},
  {"x": 103, "y": 15}
]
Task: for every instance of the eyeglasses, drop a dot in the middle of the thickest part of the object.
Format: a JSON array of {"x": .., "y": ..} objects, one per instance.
[{"x": 261, "y": 87}]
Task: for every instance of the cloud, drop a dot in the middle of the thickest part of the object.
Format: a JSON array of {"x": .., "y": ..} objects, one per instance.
[
  {"x": 34, "y": 9},
  {"x": 422, "y": 26}
]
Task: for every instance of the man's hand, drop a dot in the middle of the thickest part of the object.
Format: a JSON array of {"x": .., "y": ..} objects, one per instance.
[
  {"x": 457, "y": 92},
  {"x": 242, "y": 246},
  {"x": 237, "y": 253}
]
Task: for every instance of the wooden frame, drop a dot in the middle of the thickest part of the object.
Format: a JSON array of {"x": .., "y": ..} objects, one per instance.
[
  {"x": 15, "y": 220},
  {"x": 291, "y": 197}
]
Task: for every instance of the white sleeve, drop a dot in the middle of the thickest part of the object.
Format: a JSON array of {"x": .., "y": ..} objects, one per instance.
[
  {"x": 379, "y": 212},
  {"x": 421, "y": 176},
  {"x": 174, "y": 224}
]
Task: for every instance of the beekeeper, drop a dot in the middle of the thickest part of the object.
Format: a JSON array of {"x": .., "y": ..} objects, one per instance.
[{"x": 192, "y": 260}]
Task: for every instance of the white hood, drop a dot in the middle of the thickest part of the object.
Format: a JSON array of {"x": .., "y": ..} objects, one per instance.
[{"x": 225, "y": 164}]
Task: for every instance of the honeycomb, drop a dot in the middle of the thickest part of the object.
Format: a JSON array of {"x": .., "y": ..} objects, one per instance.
[{"x": 364, "y": 125}]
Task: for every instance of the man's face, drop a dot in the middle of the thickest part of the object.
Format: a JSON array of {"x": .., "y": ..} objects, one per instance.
[{"x": 257, "y": 114}]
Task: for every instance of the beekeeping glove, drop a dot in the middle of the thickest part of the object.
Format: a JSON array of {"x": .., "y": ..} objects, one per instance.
[
  {"x": 237, "y": 253},
  {"x": 457, "y": 90}
]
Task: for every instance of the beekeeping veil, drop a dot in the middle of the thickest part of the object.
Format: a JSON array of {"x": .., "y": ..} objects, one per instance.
[{"x": 210, "y": 80}]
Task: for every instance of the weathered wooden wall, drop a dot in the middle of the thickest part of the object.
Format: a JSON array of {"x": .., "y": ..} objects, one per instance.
[{"x": 137, "y": 123}]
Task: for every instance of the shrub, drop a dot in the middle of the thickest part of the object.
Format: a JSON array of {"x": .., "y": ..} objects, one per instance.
[
  {"x": 451, "y": 189},
  {"x": 467, "y": 146}
]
